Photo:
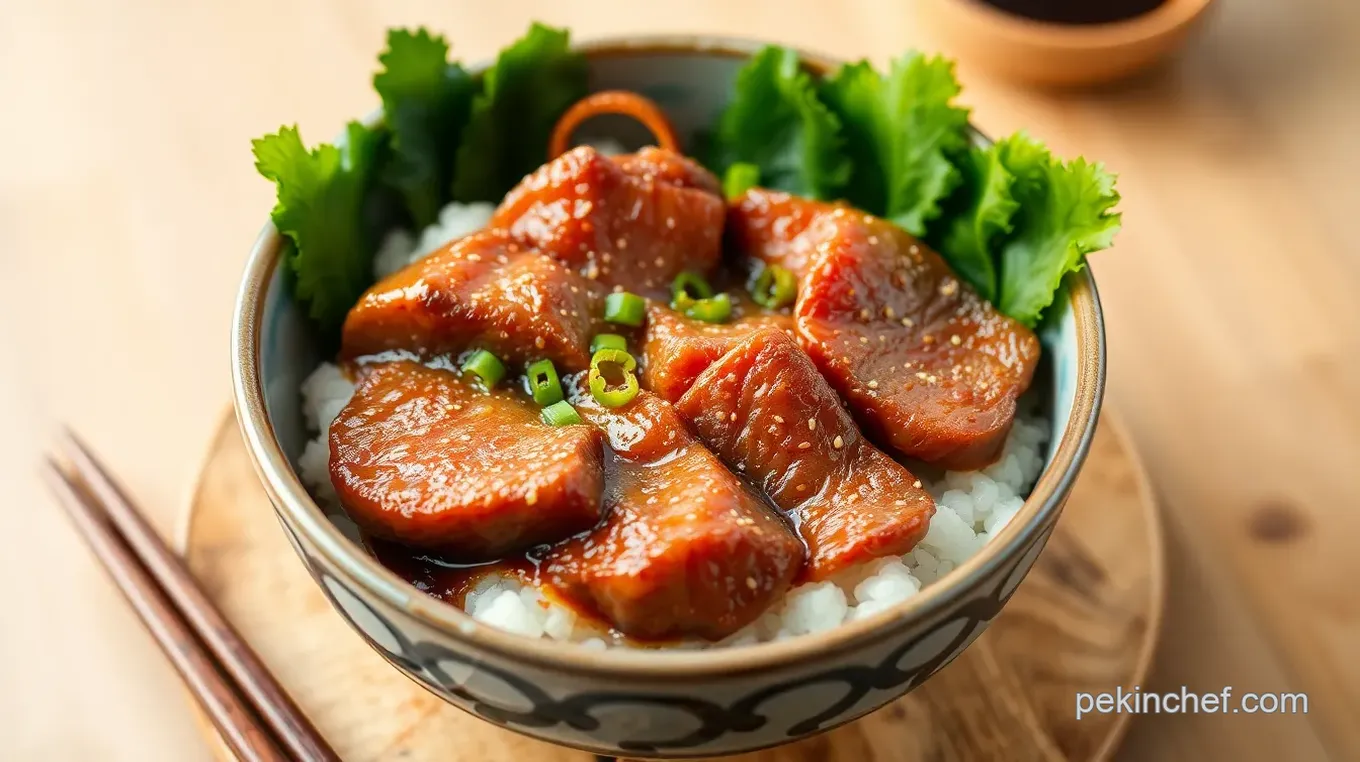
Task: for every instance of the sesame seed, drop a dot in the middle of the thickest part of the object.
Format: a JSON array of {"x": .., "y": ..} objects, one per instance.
[
  {"x": 622, "y": 243},
  {"x": 916, "y": 484},
  {"x": 949, "y": 287},
  {"x": 928, "y": 339},
  {"x": 779, "y": 419},
  {"x": 751, "y": 582},
  {"x": 531, "y": 498},
  {"x": 812, "y": 424},
  {"x": 804, "y": 445},
  {"x": 732, "y": 417},
  {"x": 864, "y": 339},
  {"x": 955, "y": 340},
  {"x": 914, "y": 249},
  {"x": 838, "y": 443},
  {"x": 670, "y": 223},
  {"x": 659, "y": 261},
  {"x": 802, "y": 488},
  {"x": 873, "y": 384},
  {"x": 864, "y": 314},
  {"x": 907, "y": 322},
  {"x": 889, "y": 313}
]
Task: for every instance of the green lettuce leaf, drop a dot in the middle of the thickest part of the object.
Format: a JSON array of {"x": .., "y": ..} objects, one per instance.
[
  {"x": 533, "y": 82},
  {"x": 978, "y": 213},
  {"x": 426, "y": 101},
  {"x": 775, "y": 122},
  {"x": 322, "y": 196},
  {"x": 1063, "y": 215},
  {"x": 900, "y": 131}
]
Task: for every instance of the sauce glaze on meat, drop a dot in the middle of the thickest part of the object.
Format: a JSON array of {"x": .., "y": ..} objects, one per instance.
[{"x": 739, "y": 469}]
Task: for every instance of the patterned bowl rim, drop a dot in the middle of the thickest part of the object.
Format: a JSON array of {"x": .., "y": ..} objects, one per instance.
[{"x": 298, "y": 508}]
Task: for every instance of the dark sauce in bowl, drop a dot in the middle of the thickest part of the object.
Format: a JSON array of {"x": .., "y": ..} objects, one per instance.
[{"x": 1077, "y": 12}]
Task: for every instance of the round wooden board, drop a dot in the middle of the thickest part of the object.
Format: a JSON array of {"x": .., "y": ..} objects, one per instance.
[{"x": 1086, "y": 619}]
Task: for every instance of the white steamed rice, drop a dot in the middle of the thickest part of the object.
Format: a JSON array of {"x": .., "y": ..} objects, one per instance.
[{"x": 970, "y": 508}]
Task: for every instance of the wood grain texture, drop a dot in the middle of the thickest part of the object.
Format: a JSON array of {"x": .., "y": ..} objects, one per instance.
[
  {"x": 128, "y": 204},
  {"x": 1085, "y": 619}
]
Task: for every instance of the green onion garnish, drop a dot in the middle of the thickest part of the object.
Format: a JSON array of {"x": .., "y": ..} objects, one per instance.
[
  {"x": 560, "y": 413},
  {"x": 544, "y": 385},
  {"x": 486, "y": 367},
  {"x": 715, "y": 309},
  {"x": 612, "y": 380},
  {"x": 624, "y": 308},
  {"x": 607, "y": 341},
  {"x": 687, "y": 288},
  {"x": 774, "y": 287},
  {"x": 739, "y": 178}
]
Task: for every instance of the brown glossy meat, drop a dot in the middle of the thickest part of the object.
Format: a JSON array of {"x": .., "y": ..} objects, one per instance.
[
  {"x": 687, "y": 549},
  {"x": 929, "y": 368},
  {"x": 765, "y": 410},
  {"x": 422, "y": 458},
  {"x": 676, "y": 349},
  {"x": 480, "y": 292},
  {"x": 769, "y": 225},
  {"x": 629, "y": 221}
]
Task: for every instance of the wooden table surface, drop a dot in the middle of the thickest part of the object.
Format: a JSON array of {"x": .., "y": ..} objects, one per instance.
[{"x": 128, "y": 202}]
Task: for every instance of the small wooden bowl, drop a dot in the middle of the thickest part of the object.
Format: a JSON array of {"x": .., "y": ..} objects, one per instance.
[{"x": 1061, "y": 55}]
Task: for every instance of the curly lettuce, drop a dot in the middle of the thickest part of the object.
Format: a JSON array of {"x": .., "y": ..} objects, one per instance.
[
  {"x": 901, "y": 130},
  {"x": 320, "y": 209},
  {"x": 775, "y": 123},
  {"x": 1063, "y": 212},
  {"x": 426, "y": 103},
  {"x": 534, "y": 81},
  {"x": 976, "y": 218}
]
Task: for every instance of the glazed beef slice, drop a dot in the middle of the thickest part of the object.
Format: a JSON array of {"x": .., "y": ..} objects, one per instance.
[
  {"x": 676, "y": 349},
  {"x": 929, "y": 368},
  {"x": 687, "y": 548},
  {"x": 765, "y": 410},
  {"x": 632, "y": 221},
  {"x": 422, "y": 458},
  {"x": 479, "y": 292}
]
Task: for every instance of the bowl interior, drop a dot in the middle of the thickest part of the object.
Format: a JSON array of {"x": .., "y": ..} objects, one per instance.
[{"x": 692, "y": 85}]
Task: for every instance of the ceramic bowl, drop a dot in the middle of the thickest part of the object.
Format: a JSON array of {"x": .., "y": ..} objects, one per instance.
[
  {"x": 1061, "y": 55},
  {"x": 633, "y": 702}
]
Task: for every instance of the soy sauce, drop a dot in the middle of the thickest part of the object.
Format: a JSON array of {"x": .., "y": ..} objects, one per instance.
[{"x": 1077, "y": 12}]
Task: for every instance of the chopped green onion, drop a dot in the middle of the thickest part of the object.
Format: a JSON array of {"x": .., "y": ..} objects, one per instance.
[
  {"x": 739, "y": 178},
  {"x": 612, "y": 380},
  {"x": 544, "y": 384},
  {"x": 560, "y": 413},
  {"x": 486, "y": 367},
  {"x": 715, "y": 309},
  {"x": 687, "y": 288},
  {"x": 607, "y": 341},
  {"x": 624, "y": 308},
  {"x": 774, "y": 287}
]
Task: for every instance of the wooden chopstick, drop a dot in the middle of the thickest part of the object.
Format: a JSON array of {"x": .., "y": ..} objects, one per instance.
[
  {"x": 291, "y": 729},
  {"x": 225, "y": 708}
]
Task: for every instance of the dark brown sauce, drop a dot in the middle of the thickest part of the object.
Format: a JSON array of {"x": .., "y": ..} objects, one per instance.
[
  {"x": 450, "y": 581},
  {"x": 1078, "y": 12}
]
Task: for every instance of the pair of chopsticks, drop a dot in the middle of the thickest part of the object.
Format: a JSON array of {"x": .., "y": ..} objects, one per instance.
[{"x": 250, "y": 710}]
